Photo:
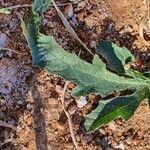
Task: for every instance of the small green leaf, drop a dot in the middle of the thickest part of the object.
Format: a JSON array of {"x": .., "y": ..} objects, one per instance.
[
  {"x": 115, "y": 56},
  {"x": 5, "y": 11}
]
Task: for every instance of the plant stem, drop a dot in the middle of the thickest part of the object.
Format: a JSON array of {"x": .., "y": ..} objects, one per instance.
[{"x": 18, "y": 6}]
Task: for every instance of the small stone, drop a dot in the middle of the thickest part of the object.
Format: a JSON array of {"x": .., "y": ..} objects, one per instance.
[
  {"x": 2, "y": 40},
  {"x": 81, "y": 102},
  {"x": 58, "y": 89},
  {"x": 20, "y": 102},
  {"x": 67, "y": 95},
  {"x": 102, "y": 130},
  {"x": 78, "y": 138},
  {"x": 92, "y": 44},
  {"x": 104, "y": 142},
  {"x": 112, "y": 126}
]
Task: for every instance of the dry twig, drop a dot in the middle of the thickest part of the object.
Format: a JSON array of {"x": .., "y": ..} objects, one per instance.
[
  {"x": 68, "y": 116},
  {"x": 18, "y": 6},
  {"x": 69, "y": 28},
  {"x": 11, "y": 50},
  {"x": 145, "y": 19}
]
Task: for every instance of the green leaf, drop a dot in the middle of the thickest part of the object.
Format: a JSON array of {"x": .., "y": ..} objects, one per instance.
[
  {"x": 135, "y": 74},
  {"x": 147, "y": 74},
  {"x": 89, "y": 77},
  {"x": 121, "y": 106},
  {"x": 115, "y": 56},
  {"x": 40, "y": 6},
  {"x": 5, "y": 11}
]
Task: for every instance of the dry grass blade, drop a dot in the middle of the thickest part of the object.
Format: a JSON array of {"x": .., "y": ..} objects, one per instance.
[
  {"x": 142, "y": 25},
  {"x": 68, "y": 116},
  {"x": 18, "y": 6},
  {"x": 69, "y": 28},
  {"x": 145, "y": 19}
]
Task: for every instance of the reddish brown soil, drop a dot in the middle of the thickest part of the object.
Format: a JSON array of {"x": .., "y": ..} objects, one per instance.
[{"x": 30, "y": 97}]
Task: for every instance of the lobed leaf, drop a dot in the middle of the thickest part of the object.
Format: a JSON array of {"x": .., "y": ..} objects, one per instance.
[
  {"x": 121, "y": 106},
  {"x": 115, "y": 56},
  {"x": 89, "y": 78}
]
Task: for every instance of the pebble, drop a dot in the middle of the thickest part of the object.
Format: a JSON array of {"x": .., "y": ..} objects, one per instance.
[
  {"x": 59, "y": 89},
  {"x": 92, "y": 44},
  {"x": 81, "y": 102},
  {"x": 3, "y": 40}
]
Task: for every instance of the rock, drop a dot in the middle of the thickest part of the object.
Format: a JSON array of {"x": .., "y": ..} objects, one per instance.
[
  {"x": 3, "y": 40},
  {"x": 59, "y": 89},
  {"x": 81, "y": 102},
  {"x": 92, "y": 44},
  {"x": 120, "y": 146},
  {"x": 104, "y": 143}
]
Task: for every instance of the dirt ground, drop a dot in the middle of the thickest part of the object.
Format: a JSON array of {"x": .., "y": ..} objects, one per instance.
[{"x": 30, "y": 97}]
